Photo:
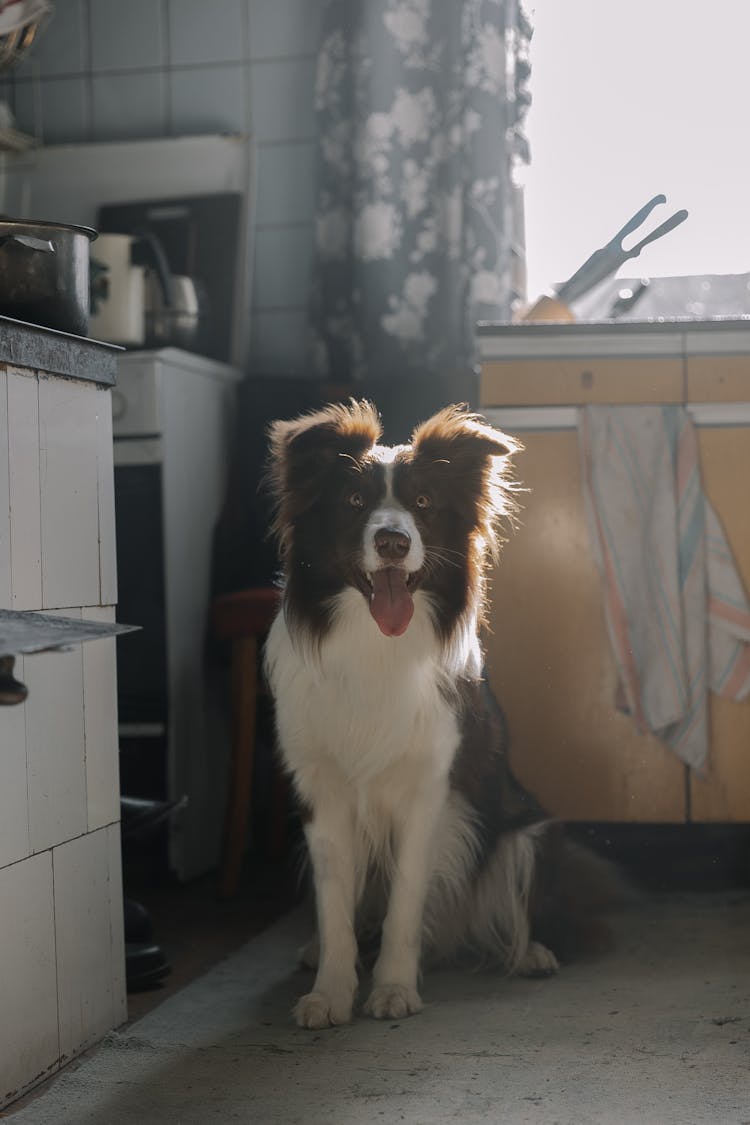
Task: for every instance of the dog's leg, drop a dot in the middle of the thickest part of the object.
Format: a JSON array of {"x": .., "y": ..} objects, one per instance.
[
  {"x": 331, "y": 841},
  {"x": 394, "y": 994}
]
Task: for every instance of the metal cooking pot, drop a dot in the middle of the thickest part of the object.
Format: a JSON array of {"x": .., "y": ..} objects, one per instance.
[{"x": 44, "y": 274}]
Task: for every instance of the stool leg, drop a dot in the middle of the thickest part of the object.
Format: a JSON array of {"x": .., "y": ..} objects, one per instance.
[{"x": 244, "y": 705}]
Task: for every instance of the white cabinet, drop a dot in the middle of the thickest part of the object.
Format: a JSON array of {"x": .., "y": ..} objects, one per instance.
[
  {"x": 172, "y": 425},
  {"x": 62, "y": 983}
]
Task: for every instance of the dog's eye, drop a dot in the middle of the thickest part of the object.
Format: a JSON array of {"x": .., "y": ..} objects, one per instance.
[
  {"x": 357, "y": 500},
  {"x": 423, "y": 501}
]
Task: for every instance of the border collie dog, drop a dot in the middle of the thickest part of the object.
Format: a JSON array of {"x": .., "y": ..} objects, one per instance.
[{"x": 415, "y": 827}]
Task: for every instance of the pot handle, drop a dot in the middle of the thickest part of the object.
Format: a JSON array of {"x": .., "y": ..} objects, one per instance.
[
  {"x": 155, "y": 256},
  {"x": 29, "y": 242}
]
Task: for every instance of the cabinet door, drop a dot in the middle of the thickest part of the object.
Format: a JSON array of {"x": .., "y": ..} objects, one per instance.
[
  {"x": 724, "y": 795},
  {"x": 550, "y": 663}
]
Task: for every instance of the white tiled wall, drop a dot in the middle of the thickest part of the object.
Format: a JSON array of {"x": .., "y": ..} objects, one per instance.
[
  {"x": 106, "y": 500},
  {"x": 109, "y": 70},
  {"x": 29, "y": 1030},
  {"x": 55, "y": 748},
  {"x": 67, "y": 479},
  {"x": 88, "y": 1004},
  {"x": 25, "y": 495},
  {"x": 14, "y": 803},
  {"x": 123, "y": 37},
  {"x": 5, "y": 543},
  {"x": 100, "y": 734},
  {"x": 116, "y": 930},
  {"x": 61, "y": 935},
  {"x": 206, "y": 33}
]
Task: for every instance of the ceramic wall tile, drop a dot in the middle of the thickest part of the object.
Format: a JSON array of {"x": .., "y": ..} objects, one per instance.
[
  {"x": 62, "y": 46},
  {"x": 68, "y": 485},
  {"x": 284, "y": 27},
  {"x": 126, "y": 36},
  {"x": 29, "y": 1042},
  {"x": 25, "y": 509},
  {"x": 100, "y": 724},
  {"x": 205, "y": 33},
  {"x": 106, "y": 486},
  {"x": 55, "y": 746},
  {"x": 129, "y": 107},
  {"x": 286, "y": 179},
  {"x": 209, "y": 99},
  {"x": 83, "y": 941},
  {"x": 14, "y": 806},
  {"x": 282, "y": 99},
  {"x": 282, "y": 267},
  {"x": 116, "y": 926},
  {"x": 55, "y": 111},
  {"x": 6, "y": 596}
]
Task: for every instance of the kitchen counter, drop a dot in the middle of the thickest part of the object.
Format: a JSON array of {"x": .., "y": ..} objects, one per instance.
[
  {"x": 57, "y": 353},
  {"x": 700, "y": 364},
  {"x": 569, "y": 744}
]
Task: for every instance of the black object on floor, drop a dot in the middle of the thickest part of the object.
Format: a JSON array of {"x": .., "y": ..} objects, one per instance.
[
  {"x": 138, "y": 924},
  {"x": 141, "y": 815},
  {"x": 145, "y": 965}
]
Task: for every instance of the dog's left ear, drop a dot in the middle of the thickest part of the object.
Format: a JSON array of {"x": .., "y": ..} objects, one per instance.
[
  {"x": 454, "y": 435},
  {"x": 469, "y": 460}
]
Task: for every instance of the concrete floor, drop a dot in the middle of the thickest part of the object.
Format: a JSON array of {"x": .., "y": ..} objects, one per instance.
[{"x": 657, "y": 1032}]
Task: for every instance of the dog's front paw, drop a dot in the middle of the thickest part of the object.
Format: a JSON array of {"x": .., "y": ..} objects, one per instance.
[
  {"x": 393, "y": 1002},
  {"x": 538, "y": 961},
  {"x": 320, "y": 1009}
]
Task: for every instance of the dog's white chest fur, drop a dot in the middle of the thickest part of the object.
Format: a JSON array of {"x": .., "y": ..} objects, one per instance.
[{"x": 364, "y": 703}]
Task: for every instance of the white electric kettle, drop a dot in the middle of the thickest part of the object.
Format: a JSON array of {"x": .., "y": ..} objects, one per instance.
[{"x": 118, "y": 292}]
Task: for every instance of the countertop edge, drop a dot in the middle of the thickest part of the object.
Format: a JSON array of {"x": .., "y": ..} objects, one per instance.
[
  {"x": 57, "y": 353},
  {"x": 610, "y": 327},
  {"x": 640, "y": 339}
]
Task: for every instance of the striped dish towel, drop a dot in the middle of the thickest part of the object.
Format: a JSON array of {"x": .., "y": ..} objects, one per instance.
[{"x": 676, "y": 610}]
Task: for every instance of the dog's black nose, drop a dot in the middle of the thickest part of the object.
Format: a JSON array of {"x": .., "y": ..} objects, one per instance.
[{"x": 392, "y": 544}]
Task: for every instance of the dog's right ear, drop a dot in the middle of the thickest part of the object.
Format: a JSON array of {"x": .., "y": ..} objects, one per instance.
[
  {"x": 313, "y": 441},
  {"x": 304, "y": 450}
]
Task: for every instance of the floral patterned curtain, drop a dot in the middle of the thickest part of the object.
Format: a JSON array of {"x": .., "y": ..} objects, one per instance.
[{"x": 418, "y": 119}]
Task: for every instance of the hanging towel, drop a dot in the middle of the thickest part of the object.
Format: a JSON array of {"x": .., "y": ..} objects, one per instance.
[{"x": 676, "y": 610}]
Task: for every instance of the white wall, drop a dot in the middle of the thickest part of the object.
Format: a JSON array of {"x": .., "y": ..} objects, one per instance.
[{"x": 107, "y": 70}]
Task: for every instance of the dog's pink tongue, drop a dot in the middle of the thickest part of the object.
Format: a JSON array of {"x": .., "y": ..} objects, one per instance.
[{"x": 391, "y": 603}]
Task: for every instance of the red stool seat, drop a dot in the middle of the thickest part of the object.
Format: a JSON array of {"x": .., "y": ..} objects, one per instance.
[{"x": 247, "y": 613}]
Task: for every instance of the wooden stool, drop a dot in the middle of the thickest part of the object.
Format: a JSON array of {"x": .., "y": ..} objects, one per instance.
[{"x": 242, "y": 619}]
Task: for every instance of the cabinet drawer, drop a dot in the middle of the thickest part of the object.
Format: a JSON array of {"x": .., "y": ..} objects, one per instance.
[
  {"x": 718, "y": 378},
  {"x": 550, "y": 663},
  {"x": 527, "y": 382}
]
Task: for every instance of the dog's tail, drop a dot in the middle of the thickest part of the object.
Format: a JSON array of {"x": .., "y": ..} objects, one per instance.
[{"x": 574, "y": 895}]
